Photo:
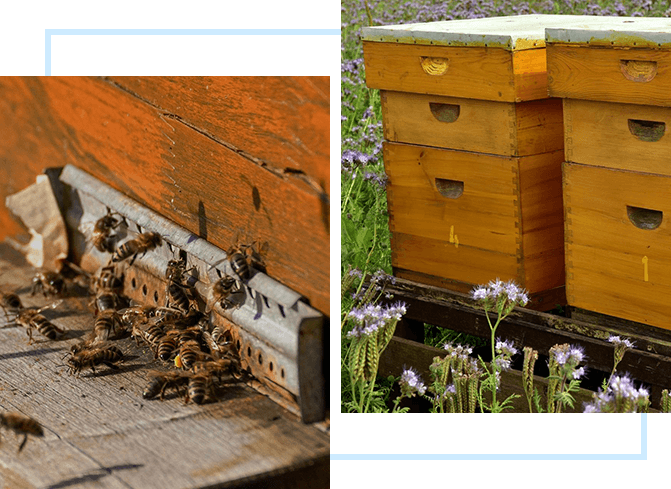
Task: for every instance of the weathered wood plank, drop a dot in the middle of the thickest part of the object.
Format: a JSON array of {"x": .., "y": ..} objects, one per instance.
[
  {"x": 98, "y": 428},
  {"x": 285, "y": 120},
  {"x": 167, "y": 165}
]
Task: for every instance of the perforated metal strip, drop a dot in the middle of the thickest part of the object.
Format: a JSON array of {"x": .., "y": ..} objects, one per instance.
[{"x": 278, "y": 335}]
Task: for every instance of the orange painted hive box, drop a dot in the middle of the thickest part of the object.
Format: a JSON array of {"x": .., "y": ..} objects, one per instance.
[
  {"x": 614, "y": 75},
  {"x": 473, "y": 151}
]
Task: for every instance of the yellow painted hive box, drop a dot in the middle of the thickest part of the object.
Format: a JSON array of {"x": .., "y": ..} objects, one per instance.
[
  {"x": 614, "y": 75},
  {"x": 618, "y": 243},
  {"x": 460, "y": 218},
  {"x": 613, "y": 59},
  {"x": 500, "y": 128},
  {"x": 473, "y": 151}
]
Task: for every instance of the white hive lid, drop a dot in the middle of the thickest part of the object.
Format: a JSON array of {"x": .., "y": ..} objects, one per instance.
[
  {"x": 649, "y": 32},
  {"x": 510, "y": 33}
]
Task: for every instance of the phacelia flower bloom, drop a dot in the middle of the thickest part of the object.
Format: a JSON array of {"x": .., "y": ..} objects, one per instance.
[
  {"x": 505, "y": 348},
  {"x": 616, "y": 340},
  {"x": 497, "y": 290},
  {"x": 371, "y": 317},
  {"x": 572, "y": 355},
  {"x": 411, "y": 383}
]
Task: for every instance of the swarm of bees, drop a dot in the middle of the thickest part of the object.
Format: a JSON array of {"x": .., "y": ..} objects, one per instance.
[{"x": 198, "y": 357}]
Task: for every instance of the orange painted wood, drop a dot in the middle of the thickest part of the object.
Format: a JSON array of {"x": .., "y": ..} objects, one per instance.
[
  {"x": 471, "y": 72},
  {"x": 167, "y": 165},
  {"x": 613, "y": 266},
  {"x": 500, "y": 128},
  {"x": 624, "y": 136},
  {"x": 285, "y": 119},
  {"x": 597, "y": 73},
  {"x": 507, "y": 222}
]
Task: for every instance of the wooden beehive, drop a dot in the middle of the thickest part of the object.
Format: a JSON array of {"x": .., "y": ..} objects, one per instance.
[
  {"x": 222, "y": 160},
  {"x": 614, "y": 76},
  {"x": 474, "y": 150}
]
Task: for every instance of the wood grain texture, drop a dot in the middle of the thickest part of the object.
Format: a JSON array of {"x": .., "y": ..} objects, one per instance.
[
  {"x": 482, "y": 126},
  {"x": 595, "y": 73},
  {"x": 507, "y": 223},
  {"x": 99, "y": 431},
  {"x": 598, "y": 131},
  {"x": 606, "y": 270},
  {"x": 472, "y": 72},
  {"x": 166, "y": 164}
]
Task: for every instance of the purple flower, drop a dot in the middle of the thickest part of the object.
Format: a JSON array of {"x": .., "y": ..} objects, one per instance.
[
  {"x": 372, "y": 317},
  {"x": 616, "y": 340},
  {"x": 571, "y": 356},
  {"x": 505, "y": 348},
  {"x": 411, "y": 383},
  {"x": 496, "y": 290}
]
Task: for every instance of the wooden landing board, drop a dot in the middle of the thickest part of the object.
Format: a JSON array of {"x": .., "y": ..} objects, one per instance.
[{"x": 100, "y": 432}]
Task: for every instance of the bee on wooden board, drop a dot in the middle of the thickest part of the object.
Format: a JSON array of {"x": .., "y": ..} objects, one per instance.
[
  {"x": 10, "y": 302},
  {"x": 200, "y": 388},
  {"x": 99, "y": 235},
  {"x": 167, "y": 345},
  {"x": 108, "y": 300},
  {"x": 160, "y": 381},
  {"x": 21, "y": 425},
  {"x": 107, "y": 326},
  {"x": 216, "y": 368},
  {"x": 94, "y": 356},
  {"x": 107, "y": 280},
  {"x": 33, "y": 319},
  {"x": 137, "y": 246},
  {"x": 49, "y": 283}
]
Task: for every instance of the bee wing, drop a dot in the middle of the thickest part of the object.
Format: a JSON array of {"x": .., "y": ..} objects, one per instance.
[
  {"x": 152, "y": 374},
  {"x": 53, "y": 305}
]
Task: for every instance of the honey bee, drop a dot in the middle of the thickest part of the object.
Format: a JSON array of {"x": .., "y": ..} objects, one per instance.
[
  {"x": 167, "y": 345},
  {"x": 216, "y": 368},
  {"x": 134, "y": 247},
  {"x": 108, "y": 301},
  {"x": 190, "y": 352},
  {"x": 32, "y": 319},
  {"x": 175, "y": 289},
  {"x": 222, "y": 290},
  {"x": 10, "y": 302},
  {"x": 21, "y": 425},
  {"x": 160, "y": 381},
  {"x": 91, "y": 357},
  {"x": 135, "y": 315},
  {"x": 108, "y": 280},
  {"x": 200, "y": 388},
  {"x": 107, "y": 325},
  {"x": 242, "y": 257},
  {"x": 220, "y": 335},
  {"x": 49, "y": 283},
  {"x": 101, "y": 236}
]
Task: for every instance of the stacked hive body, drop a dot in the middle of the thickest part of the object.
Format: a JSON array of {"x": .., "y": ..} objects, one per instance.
[
  {"x": 473, "y": 151},
  {"x": 615, "y": 78}
]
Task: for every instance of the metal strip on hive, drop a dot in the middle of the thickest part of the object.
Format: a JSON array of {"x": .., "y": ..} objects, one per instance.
[{"x": 278, "y": 335}]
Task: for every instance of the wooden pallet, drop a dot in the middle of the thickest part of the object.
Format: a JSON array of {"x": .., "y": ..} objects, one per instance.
[{"x": 649, "y": 362}]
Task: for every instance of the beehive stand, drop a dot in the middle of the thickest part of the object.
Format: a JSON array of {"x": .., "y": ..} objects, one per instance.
[
  {"x": 649, "y": 362},
  {"x": 99, "y": 430}
]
